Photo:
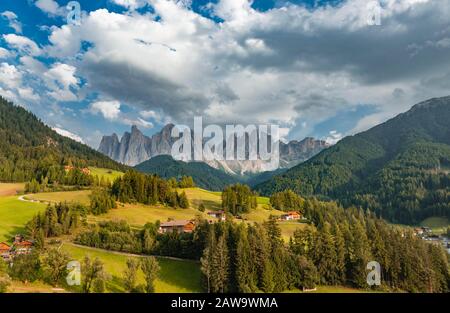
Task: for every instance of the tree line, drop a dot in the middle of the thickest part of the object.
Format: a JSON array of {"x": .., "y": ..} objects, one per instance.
[
  {"x": 147, "y": 189},
  {"x": 238, "y": 198}
]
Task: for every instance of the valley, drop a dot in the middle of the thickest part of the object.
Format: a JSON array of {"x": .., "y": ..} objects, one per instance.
[{"x": 170, "y": 226}]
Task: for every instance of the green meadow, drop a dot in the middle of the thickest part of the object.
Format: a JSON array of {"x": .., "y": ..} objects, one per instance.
[
  {"x": 14, "y": 214},
  {"x": 179, "y": 276},
  {"x": 81, "y": 196},
  {"x": 111, "y": 175}
]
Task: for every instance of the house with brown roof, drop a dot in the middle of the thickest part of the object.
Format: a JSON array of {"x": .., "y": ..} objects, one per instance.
[
  {"x": 5, "y": 250},
  {"x": 182, "y": 226},
  {"x": 22, "y": 246},
  {"x": 220, "y": 215},
  {"x": 290, "y": 216}
]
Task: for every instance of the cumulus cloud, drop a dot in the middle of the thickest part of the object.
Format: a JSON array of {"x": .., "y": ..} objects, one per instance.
[
  {"x": 51, "y": 7},
  {"x": 60, "y": 78},
  {"x": 12, "y": 18},
  {"x": 334, "y": 137},
  {"x": 23, "y": 44},
  {"x": 68, "y": 134},
  {"x": 290, "y": 65},
  {"x": 109, "y": 109},
  {"x": 10, "y": 76},
  {"x": 4, "y": 54},
  {"x": 320, "y": 62}
]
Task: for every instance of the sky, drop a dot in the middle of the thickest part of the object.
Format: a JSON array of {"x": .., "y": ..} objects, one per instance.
[{"x": 325, "y": 69}]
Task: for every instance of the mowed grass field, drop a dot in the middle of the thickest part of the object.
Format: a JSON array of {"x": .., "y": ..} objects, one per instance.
[
  {"x": 437, "y": 224},
  {"x": 7, "y": 189},
  {"x": 179, "y": 276},
  {"x": 14, "y": 214},
  {"x": 111, "y": 175},
  {"x": 81, "y": 196},
  {"x": 138, "y": 214}
]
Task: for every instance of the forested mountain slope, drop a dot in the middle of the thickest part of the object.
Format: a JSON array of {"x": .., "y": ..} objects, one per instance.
[
  {"x": 399, "y": 169},
  {"x": 204, "y": 175},
  {"x": 30, "y": 149}
]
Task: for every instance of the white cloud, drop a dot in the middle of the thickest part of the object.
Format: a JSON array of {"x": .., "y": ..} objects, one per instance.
[
  {"x": 286, "y": 65},
  {"x": 49, "y": 6},
  {"x": 68, "y": 134},
  {"x": 109, "y": 109},
  {"x": 10, "y": 76},
  {"x": 150, "y": 114},
  {"x": 22, "y": 44},
  {"x": 28, "y": 94},
  {"x": 13, "y": 21},
  {"x": 130, "y": 4},
  {"x": 334, "y": 137},
  {"x": 4, "y": 54},
  {"x": 60, "y": 78}
]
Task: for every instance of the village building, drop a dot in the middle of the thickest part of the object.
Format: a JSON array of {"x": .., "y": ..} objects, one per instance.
[
  {"x": 290, "y": 216},
  {"x": 5, "y": 250},
  {"x": 183, "y": 226},
  {"x": 220, "y": 215},
  {"x": 84, "y": 170},
  {"x": 22, "y": 246}
]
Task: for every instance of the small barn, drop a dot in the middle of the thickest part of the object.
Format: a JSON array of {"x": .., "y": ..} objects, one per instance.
[
  {"x": 182, "y": 226},
  {"x": 291, "y": 216}
]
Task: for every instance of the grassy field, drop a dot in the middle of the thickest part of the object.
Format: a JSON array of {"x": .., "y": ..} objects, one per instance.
[
  {"x": 7, "y": 189},
  {"x": 34, "y": 287},
  {"x": 210, "y": 199},
  {"x": 139, "y": 214},
  {"x": 333, "y": 289},
  {"x": 14, "y": 214},
  {"x": 81, "y": 196},
  {"x": 437, "y": 224},
  {"x": 105, "y": 173},
  {"x": 175, "y": 275}
]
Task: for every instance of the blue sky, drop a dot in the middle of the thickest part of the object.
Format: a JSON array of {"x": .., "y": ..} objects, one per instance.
[{"x": 316, "y": 68}]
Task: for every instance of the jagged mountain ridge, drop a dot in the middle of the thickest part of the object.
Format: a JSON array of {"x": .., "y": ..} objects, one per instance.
[{"x": 135, "y": 148}]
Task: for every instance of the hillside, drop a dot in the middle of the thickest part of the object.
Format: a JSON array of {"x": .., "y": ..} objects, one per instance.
[
  {"x": 399, "y": 169},
  {"x": 204, "y": 175},
  {"x": 29, "y": 148}
]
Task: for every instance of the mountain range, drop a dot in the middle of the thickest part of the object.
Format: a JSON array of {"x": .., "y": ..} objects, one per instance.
[
  {"x": 134, "y": 148},
  {"x": 398, "y": 169}
]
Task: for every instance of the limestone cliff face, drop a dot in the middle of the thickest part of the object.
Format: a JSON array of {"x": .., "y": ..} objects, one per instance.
[{"x": 135, "y": 148}]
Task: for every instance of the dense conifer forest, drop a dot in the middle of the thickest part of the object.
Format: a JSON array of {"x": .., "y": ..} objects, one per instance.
[
  {"x": 30, "y": 149},
  {"x": 399, "y": 169}
]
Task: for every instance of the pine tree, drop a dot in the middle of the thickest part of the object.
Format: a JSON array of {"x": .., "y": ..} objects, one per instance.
[
  {"x": 130, "y": 275},
  {"x": 325, "y": 257},
  {"x": 220, "y": 265},
  {"x": 151, "y": 268},
  {"x": 206, "y": 260},
  {"x": 245, "y": 275}
]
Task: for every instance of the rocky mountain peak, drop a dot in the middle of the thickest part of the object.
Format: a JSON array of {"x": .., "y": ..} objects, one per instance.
[{"x": 135, "y": 148}]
